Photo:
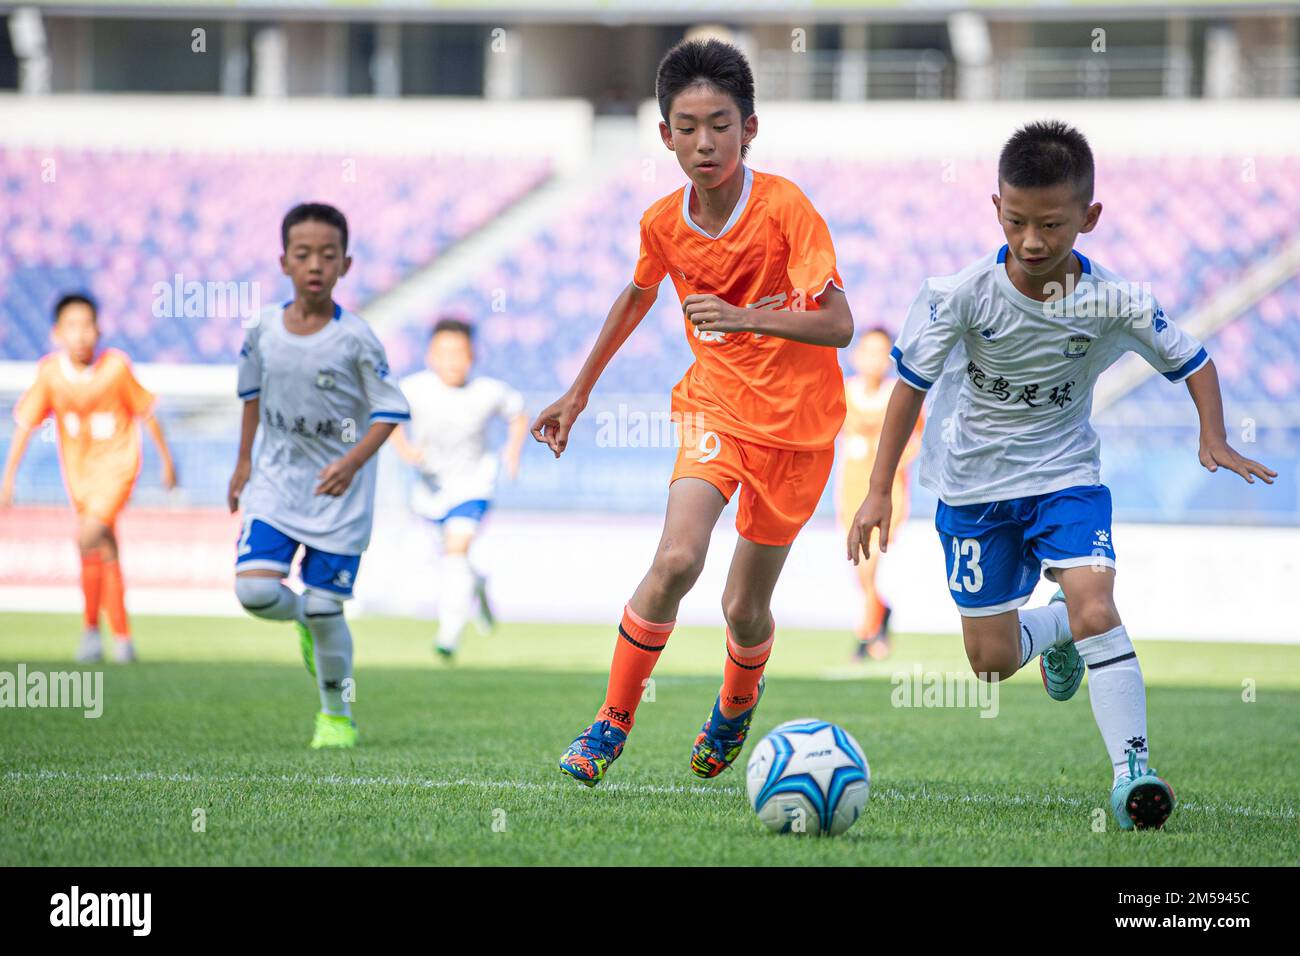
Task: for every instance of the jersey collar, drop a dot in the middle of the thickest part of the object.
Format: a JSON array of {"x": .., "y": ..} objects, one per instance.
[
  {"x": 736, "y": 213},
  {"x": 1025, "y": 302}
]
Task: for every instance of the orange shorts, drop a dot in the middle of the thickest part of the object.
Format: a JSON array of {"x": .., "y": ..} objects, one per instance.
[
  {"x": 103, "y": 503},
  {"x": 780, "y": 487}
]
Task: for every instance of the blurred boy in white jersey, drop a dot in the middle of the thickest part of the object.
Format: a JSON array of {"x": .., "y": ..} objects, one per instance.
[
  {"x": 456, "y": 471},
  {"x": 1013, "y": 345},
  {"x": 315, "y": 378}
]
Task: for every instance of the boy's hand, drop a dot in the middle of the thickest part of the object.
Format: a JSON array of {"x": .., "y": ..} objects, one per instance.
[
  {"x": 1217, "y": 453},
  {"x": 237, "y": 481},
  {"x": 876, "y": 512},
  {"x": 708, "y": 313},
  {"x": 168, "y": 474},
  {"x": 551, "y": 427},
  {"x": 336, "y": 477},
  {"x": 6, "y": 494}
]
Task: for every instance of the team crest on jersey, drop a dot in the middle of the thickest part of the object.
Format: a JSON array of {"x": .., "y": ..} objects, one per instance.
[
  {"x": 325, "y": 378},
  {"x": 1077, "y": 346}
]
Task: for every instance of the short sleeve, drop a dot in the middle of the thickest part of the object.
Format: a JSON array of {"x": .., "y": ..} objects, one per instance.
[
  {"x": 510, "y": 403},
  {"x": 1173, "y": 353},
  {"x": 650, "y": 268},
  {"x": 36, "y": 403},
  {"x": 136, "y": 397},
  {"x": 387, "y": 403},
  {"x": 812, "y": 254},
  {"x": 250, "y": 367},
  {"x": 929, "y": 333}
]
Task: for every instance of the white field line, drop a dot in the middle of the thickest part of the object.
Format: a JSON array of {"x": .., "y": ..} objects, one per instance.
[{"x": 887, "y": 794}]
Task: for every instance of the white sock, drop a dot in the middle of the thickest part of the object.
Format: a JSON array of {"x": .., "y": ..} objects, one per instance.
[
  {"x": 1119, "y": 699},
  {"x": 1041, "y": 628},
  {"x": 333, "y": 642},
  {"x": 268, "y": 598},
  {"x": 456, "y": 599}
]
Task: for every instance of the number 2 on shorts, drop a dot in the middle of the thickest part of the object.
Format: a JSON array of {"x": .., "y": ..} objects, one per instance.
[{"x": 974, "y": 579}]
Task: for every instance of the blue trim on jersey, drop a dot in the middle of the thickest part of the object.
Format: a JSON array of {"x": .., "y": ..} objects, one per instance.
[
  {"x": 1083, "y": 261},
  {"x": 338, "y": 311},
  {"x": 390, "y": 416},
  {"x": 250, "y": 393},
  {"x": 1188, "y": 367},
  {"x": 911, "y": 377},
  {"x": 1002, "y": 254}
]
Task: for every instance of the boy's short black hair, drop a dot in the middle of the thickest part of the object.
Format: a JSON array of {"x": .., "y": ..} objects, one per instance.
[
  {"x": 712, "y": 62},
  {"x": 314, "y": 212},
  {"x": 459, "y": 326},
  {"x": 76, "y": 298},
  {"x": 1047, "y": 153}
]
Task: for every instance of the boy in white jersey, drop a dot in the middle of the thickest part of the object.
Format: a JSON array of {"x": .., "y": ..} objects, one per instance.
[
  {"x": 1012, "y": 346},
  {"x": 316, "y": 379},
  {"x": 456, "y": 470}
]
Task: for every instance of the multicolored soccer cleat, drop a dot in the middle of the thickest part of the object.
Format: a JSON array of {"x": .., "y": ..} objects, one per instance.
[
  {"x": 307, "y": 646},
  {"x": 720, "y": 740},
  {"x": 334, "y": 731},
  {"x": 1061, "y": 666},
  {"x": 1141, "y": 801},
  {"x": 590, "y": 755}
]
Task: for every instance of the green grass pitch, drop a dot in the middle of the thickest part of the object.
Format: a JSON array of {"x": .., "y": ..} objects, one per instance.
[{"x": 458, "y": 765}]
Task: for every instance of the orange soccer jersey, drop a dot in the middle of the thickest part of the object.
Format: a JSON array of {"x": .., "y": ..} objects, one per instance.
[
  {"x": 775, "y": 252},
  {"x": 95, "y": 409}
]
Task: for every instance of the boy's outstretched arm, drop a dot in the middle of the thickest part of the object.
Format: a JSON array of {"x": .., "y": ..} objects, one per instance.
[
  {"x": 338, "y": 474},
  {"x": 551, "y": 427},
  {"x": 17, "y": 448},
  {"x": 1215, "y": 451},
  {"x": 154, "y": 428},
  {"x": 900, "y": 419},
  {"x": 244, "y": 463},
  {"x": 830, "y": 324}
]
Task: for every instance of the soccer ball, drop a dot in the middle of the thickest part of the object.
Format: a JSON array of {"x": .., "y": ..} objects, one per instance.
[{"x": 808, "y": 776}]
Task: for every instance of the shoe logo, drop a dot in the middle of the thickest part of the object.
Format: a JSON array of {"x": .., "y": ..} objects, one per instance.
[
  {"x": 1137, "y": 745},
  {"x": 987, "y": 334}
]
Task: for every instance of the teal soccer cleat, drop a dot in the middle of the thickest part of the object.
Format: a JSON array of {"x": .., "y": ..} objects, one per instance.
[
  {"x": 1061, "y": 666},
  {"x": 1141, "y": 801}
]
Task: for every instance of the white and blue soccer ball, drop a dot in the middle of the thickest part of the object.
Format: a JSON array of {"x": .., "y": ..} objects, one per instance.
[{"x": 808, "y": 777}]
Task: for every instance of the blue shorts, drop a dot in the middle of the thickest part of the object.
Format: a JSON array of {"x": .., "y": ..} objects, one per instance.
[
  {"x": 996, "y": 551},
  {"x": 467, "y": 515},
  {"x": 262, "y": 547}
]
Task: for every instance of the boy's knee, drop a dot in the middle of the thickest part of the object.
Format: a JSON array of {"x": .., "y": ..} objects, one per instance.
[
  {"x": 316, "y": 604},
  {"x": 676, "y": 568},
  {"x": 1092, "y": 616},
  {"x": 257, "y": 593},
  {"x": 748, "y": 620}
]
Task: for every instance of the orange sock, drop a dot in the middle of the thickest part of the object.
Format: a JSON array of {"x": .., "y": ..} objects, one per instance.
[
  {"x": 742, "y": 673},
  {"x": 115, "y": 600},
  {"x": 640, "y": 642},
  {"x": 92, "y": 568}
]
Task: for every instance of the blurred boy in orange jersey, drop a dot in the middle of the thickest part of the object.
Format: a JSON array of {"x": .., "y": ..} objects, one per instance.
[
  {"x": 764, "y": 311},
  {"x": 95, "y": 400},
  {"x": 867, "y": 395}
]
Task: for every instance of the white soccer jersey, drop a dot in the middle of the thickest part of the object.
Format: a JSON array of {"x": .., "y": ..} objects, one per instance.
[
  {"x": 449, "y": 427},
  {"x": 1013, "y": 377},
  {"x": 319, "y": 395}
]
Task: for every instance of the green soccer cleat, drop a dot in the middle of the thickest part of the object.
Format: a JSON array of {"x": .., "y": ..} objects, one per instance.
[
  {"x": 1141, "y": 801},
  {"x": 334, "y": 731},
  {"x": 307, "y": 646},
  {"x": 1061, "y": 666}
]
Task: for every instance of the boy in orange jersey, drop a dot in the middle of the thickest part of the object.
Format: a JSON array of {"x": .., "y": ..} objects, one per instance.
[
  {"x": 867, "y": 394},
  {"x": 764, "y": 311},
  {"x": 95, "y": 399}
]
